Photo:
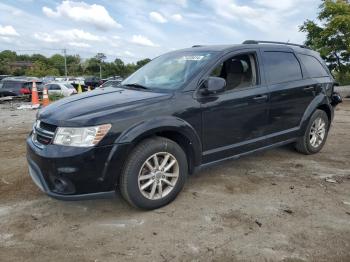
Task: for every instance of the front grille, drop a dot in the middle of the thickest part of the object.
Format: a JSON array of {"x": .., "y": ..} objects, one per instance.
[
  {"x": 43, "y": 133},
  {"x": 48, "y": 127}
]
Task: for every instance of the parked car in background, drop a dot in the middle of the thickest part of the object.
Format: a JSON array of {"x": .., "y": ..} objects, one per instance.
[
  {"x": 112, "y": 78},
  {"x": 4, "y": 76},
  {"x": 60, "y": 88},
  {"x": 47, "y": 79},
  {"x": 113, "y": 83},
  {"x": 75, "y": 81},
  {"x": 92, "y": 81},
  {"x": 16, "y": 86}
]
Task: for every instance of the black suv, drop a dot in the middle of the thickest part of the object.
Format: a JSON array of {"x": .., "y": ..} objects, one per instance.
[
  {"x": 17, "y": 86},
  {"x": 181, "y": 111}
]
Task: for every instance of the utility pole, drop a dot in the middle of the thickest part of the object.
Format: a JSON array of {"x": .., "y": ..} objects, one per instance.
[
  {"x": 65, "y": 61},
  {"x": 100, "y": 71}
]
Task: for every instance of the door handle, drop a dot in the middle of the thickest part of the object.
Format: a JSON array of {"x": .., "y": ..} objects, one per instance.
[
  {"x": 309, "y": 88},
  {"x": 260, "y": 97}
]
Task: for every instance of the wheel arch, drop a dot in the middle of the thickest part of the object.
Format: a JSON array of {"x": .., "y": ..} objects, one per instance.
[
  {"x": 319, "y": 102},
  {"x": 173, "y": 128}
]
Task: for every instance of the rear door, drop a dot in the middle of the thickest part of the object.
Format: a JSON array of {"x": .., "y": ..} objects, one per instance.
[{"x": 290, "y": 92}]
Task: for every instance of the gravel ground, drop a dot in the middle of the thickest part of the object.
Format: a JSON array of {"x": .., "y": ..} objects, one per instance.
[{"x": 271, "y": 206}]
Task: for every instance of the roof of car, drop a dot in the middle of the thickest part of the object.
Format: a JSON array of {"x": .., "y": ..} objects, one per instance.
[
  {"x": 58, "y": 82},
  {"x": 233, "y": 47}
]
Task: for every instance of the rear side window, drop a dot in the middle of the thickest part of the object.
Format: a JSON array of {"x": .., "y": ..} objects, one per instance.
[
  {"x": 13, "y": 85},
  {"x": 313, "y": 66},
  {"x": 282, "y": 67}
]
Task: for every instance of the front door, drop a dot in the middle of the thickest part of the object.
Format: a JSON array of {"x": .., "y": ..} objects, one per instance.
[{"x": 234, "y": 121}]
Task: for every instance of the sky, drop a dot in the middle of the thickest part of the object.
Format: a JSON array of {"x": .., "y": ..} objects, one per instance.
[{"x": 135, "y": 29}]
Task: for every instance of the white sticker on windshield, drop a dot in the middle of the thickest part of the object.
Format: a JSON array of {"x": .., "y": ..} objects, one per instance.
[{"x": 193, "y": 58}]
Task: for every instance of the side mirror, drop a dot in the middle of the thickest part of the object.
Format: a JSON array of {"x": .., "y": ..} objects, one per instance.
[{"x": 213, "y": 85}]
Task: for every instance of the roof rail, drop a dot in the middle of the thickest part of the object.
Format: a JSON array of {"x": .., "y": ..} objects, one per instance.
[
  {"x": 273, "y": 42},
  {"x": 196, "y": 45}
]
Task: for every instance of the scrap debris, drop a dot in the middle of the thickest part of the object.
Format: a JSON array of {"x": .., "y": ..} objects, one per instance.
[{"x": 330, "y": 180}]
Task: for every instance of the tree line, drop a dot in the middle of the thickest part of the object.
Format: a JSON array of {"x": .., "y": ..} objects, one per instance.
[
  {"x": 330, "y": 36},
  {"x": 39, "y": 65}
]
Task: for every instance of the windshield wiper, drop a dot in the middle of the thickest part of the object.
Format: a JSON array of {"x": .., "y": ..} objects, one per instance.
[{"x": 137, "y": 86}]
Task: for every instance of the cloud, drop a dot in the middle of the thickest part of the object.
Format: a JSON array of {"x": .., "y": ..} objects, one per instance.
[
  {"x": 8, "y": 30},
  {"x": 182, "y": 3},
  {"x": 271, "y": 17},
  {"x": 75, "y": 36},
  {"x": 157, "y": 17},
  {"x": 176, "y": 17},
  {"x": 277, "y": 4},
  {"x": 142, "y": 40},
  {"x": 79, "y": 44},
  {"x": 46, "y": 37},
  {"x": 93, "y": 14},
  {"x": 129, "y": 54},
  {"x": 5, "y": 39}
]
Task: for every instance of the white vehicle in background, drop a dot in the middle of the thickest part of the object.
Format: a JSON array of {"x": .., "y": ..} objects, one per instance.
[
  {"x": 71, "y": 80},
  {"x": 60, "y": 88}
]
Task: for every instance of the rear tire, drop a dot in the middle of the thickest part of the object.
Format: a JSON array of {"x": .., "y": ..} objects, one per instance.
[
  {"x": 315, "y": 135},
  {"x": 154, "y": 174}
]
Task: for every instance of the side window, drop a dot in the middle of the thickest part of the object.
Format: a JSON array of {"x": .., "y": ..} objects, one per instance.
[
  {"x": 55, "y": 87},
  {"x": 313, "y": 66},
  {"x": 281, "y": 67},
  {"x": 239, "y": 71}
]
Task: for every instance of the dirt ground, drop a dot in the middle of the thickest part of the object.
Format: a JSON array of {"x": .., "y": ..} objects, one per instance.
[{"x": 271, "y": 206}]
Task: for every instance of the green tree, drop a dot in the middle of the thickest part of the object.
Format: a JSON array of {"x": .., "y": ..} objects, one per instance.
[
  {"x": 142, "y": 62},
  {"x": 331, "y": 36},
  {"x": 41, "y": 69}
]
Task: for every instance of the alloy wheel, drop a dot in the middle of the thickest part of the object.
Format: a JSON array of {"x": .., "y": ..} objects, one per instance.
[
  {"x": 317, "y": 132},
  {"x": 158, "y": 175}
]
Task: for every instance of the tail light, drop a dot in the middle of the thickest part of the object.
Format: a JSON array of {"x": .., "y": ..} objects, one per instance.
[{"x": 24, "y": 91}]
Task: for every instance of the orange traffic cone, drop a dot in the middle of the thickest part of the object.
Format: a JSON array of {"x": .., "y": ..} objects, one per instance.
[
  {"x": 46, "y": 100},
  {"x": 35, "y": 97}
]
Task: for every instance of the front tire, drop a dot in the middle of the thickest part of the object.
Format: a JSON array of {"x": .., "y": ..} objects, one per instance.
[
  {"x": 315, "y": 135},
  {"x": 154, "y": 173}
]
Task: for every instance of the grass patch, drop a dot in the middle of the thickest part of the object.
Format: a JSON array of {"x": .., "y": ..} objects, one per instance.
[{"x": 55, "y": 97}]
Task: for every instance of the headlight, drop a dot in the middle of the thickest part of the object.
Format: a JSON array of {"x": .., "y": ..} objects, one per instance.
[{"x": 80, "y": 136}]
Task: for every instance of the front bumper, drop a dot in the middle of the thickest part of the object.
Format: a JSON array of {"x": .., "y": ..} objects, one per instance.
[
  {"x": 39, "y": 180},
  {"x": 71, "y": 173}
]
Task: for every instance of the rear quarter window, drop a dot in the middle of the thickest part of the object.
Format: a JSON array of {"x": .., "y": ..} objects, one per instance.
[
  {"x": 313, "y": 66},
  {"x": 281, "y": 67}
]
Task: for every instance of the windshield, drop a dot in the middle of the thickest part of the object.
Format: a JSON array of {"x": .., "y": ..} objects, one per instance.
[{"x": 169, "y": 71}]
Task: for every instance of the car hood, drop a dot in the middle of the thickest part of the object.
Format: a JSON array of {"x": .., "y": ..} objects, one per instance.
[{"x": 76, "y": 109}]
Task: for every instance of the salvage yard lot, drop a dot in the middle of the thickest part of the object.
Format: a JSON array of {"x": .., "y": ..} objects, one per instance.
[{"x": 274, "y": 205}]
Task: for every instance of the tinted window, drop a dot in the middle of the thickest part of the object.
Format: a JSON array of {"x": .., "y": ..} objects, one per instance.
[
  {"x": 313, "y": 66},
  {"x": 13, "y": 84},
  {"x": 239, "y": 71},
  {"x": 281, "y": 67}
]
